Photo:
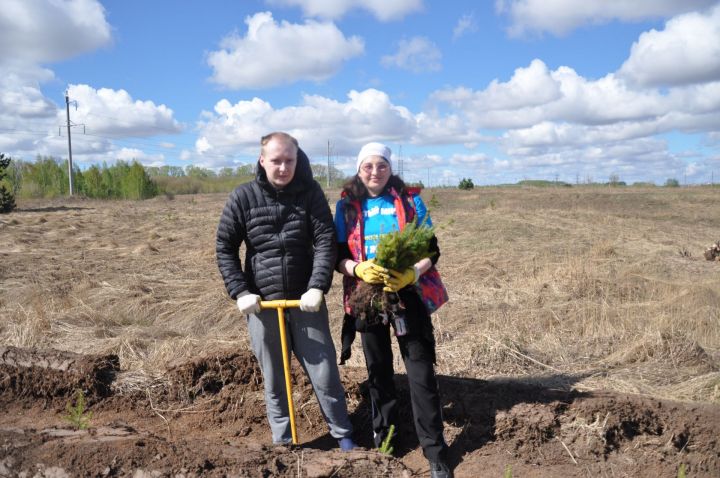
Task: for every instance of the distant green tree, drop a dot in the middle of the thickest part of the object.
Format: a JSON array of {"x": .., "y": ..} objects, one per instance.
[
  {"x": 319, "y": 172},
  {"x": 93, "y": 183},
  {"x": 45, "y": 178},
  {"x": 7, "y": 196},
  {"x": 466, "y": 184},
  {"x": 136, "y": 184},
  {"x": 14, "y": 175},
  {"x": 672, "y": 183},
  {"x": 198, "y": 172},
  {"x": 245, "y": 170},
  {"x": 165, "y": 171}
]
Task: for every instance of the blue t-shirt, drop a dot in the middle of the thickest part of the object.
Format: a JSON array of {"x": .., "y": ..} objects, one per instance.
[{"x": 379, "y": 218}]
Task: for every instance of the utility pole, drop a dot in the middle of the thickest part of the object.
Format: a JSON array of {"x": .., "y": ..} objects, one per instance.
[
  {"x": 400, "y": 160},
  {"x": 428, "y": 171},
  {"x": 327, "y": 184},
  {"x": 70, "y": 164}
]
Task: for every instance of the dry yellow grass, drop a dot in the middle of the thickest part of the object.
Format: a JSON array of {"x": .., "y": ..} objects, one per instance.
[{"x": 584, "y": 287}]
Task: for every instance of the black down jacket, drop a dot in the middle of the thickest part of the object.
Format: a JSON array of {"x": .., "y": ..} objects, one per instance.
[{"x": 289, "y": 237}]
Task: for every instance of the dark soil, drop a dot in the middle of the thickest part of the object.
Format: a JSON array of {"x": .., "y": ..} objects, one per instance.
[{"x": 208, "y": 419}]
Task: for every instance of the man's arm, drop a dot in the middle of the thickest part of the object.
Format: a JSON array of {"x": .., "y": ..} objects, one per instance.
[{"x": 230, "y": 234}]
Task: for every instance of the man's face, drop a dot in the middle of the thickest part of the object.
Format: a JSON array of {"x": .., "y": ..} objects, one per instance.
[{"x": 279, "y": 158}]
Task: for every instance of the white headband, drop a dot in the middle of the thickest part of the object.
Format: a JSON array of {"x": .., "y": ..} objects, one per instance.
[{"x": 373, "y": 149}]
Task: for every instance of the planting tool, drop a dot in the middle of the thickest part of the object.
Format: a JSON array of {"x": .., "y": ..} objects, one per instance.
[{"x": 281, "y": 305}]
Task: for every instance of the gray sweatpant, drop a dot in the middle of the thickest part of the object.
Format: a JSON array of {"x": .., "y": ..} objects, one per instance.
[{"x": 308, "y": 336}]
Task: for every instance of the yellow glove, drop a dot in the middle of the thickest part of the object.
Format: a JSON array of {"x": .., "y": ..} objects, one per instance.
[
  {"x": 399, "y": 280},
  {"x": 368, "y": 271}
]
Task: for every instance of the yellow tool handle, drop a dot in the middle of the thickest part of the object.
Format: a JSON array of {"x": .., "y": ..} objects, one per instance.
[
  {"x": 286, "y": 370},
  {"x": 279, "y": 304}
]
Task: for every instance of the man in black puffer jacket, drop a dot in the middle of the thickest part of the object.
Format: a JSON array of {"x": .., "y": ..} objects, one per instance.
[{"x": 285, "y": 222}]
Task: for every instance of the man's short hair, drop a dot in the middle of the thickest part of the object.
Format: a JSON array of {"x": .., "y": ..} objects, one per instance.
[{"x": 277, "y": 135}]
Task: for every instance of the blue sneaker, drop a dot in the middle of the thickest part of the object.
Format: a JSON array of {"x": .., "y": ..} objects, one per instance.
[{"x": 346, "y": 444}]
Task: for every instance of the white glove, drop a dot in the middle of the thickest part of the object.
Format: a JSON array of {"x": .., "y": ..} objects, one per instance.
[
  {"x": 249, "y": 303},
  {"x": 311, "y": 300}
]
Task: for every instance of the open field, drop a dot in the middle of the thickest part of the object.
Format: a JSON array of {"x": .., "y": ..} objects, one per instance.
[{"x": 582, "y": 338}]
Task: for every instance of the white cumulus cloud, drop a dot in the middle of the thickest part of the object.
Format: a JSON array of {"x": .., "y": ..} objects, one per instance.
[
  {"x": 51, "y": 30},
  {"x": 273, "y": 53},
  {"x": 535, "y": 95},
  {"x": 382, "y": 9},
  {"x": 367, "y": 115},
  {"x": 417, "y": 54},
  {"x": 134, "y": 154},
  {"x": 686, "y": 51},
  {"x": 114, "y": 112},
  {"x": 562, "y": 16},
  {"x": 465, "y": 24}
]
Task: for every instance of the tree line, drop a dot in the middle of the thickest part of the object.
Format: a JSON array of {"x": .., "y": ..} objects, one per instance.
[{"x": 47, "y": 177}]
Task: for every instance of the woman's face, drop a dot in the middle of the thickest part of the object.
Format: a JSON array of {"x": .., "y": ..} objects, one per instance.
[{"x": 374, "y": 173}]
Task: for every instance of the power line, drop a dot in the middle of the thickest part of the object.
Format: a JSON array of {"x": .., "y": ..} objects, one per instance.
[{"x": 69, "y": 125}]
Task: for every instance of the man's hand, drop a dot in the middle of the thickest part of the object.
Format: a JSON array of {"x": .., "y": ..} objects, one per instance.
[
  {"x": 249, "y": 303},
  {"x": 311, "y": 300},
  {"x": 370, "y": 272},
  {"x": 399, "y": 280}
]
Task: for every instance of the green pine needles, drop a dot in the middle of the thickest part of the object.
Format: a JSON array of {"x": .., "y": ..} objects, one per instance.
[
  {"x": 400, "y": 250},
  {"x": 77, "y": 414}
]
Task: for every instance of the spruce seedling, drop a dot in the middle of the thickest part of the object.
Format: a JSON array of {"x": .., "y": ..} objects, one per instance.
[
  {"x": 400, "y": 250},
  {"x": 77, "y": 413},
  {"x": 385, "y": 446}
]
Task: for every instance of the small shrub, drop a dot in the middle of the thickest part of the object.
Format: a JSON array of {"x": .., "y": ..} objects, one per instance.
[
  {"x": 672, "y": 183},
  {"x": 466, "y": 184},
  {"x": 7, "y": 195},
  {"x": 77, "y": 414},
  {"x": 385, "y": 446}
]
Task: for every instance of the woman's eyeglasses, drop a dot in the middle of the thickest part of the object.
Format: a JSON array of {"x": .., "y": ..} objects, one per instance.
[{"x": 380, "y": 168}]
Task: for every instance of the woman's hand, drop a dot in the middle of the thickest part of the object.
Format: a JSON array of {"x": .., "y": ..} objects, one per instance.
[
  {"x": 399, "y": 280},
  {"x": 369, "y": 272}
]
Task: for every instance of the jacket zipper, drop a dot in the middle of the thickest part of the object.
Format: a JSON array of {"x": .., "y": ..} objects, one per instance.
[{"x": 282, "y": 245}]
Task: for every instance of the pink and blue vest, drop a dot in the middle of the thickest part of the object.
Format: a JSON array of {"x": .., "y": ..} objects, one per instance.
[{"x": 429, "y": 286}]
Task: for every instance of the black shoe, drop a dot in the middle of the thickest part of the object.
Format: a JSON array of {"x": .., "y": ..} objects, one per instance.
[{"x": 440, "y": 469}]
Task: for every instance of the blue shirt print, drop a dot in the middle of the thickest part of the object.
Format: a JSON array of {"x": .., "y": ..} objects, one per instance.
[{"x": 379, "y": 218}]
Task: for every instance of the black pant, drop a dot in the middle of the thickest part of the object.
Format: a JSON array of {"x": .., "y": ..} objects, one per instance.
[{"x": 417, "y": 348}]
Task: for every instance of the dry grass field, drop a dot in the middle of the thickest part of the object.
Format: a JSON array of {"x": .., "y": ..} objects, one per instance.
[{"x": 595, "y": 304}]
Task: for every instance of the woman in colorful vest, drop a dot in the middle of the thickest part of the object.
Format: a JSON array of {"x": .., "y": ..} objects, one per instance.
[{"x": 375, "y": 202}]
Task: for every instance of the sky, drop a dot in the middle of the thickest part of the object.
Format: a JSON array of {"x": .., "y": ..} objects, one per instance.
[{"x": 495, "y": 91}]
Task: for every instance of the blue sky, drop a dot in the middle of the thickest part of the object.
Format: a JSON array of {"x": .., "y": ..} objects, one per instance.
[{"x": 498, "y": 91}]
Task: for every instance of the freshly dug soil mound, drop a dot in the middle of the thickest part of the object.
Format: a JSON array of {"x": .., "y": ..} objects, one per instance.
[
  {"x": 52, "y": 373},
  {"x": 209, "y": 420},
  {"x": 208, "y": 375}
]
